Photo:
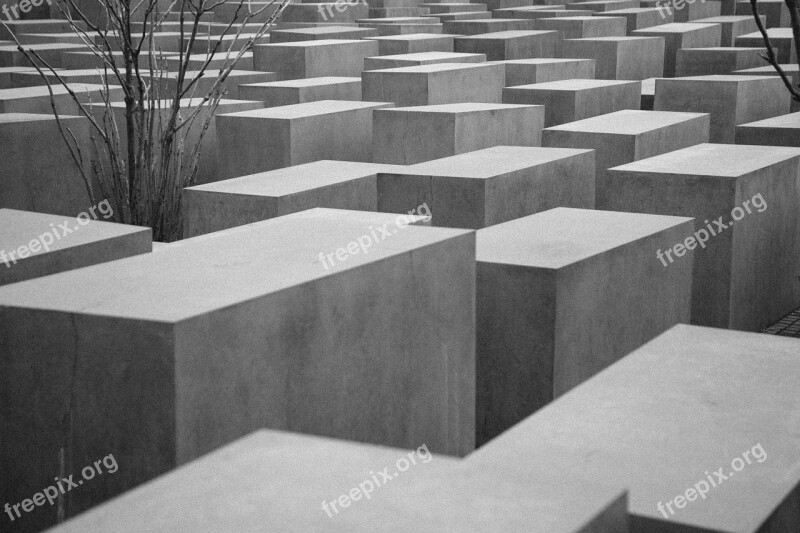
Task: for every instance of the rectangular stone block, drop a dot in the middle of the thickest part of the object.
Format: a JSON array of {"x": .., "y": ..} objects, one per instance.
[
  {"x": 475, "y": 15},
  {"x": 746, "y": 200},
  {"x": 435, "y": 84},
  {"x": 475, "y": 27},
  {"x": 454, "y": 7},
  {"x": 777, "y": 131},
  {"x": 314, "y": 59},
  {"x": 255, "y": 468},
  {"x": 650, "y": 424},
  {"x": 781, "y": 39},
  {"x": 414, "y": 43},
  {"x": 627, "y": 136},
  {"x": 584, "y": 27},
  {"x": 542, "y": 70},
  {"x": 52, "y": 53},
  {"x": 682, "y": 35},
  {"x": 550, "y": 12},
  {"x": 316, "y": 34},
  {"x": 279, "y": 93},
  {"x": 571, "y": 100},
  {"x": 330, "y": 12},
  {"x": 709, "y": 61},
  {"x": 423, "y": 58},
  {"x": 731, "y": 100},
  {"x": 503, "y": 45},
  {"x": 562, "y": 295},
  {"x": 167, "y": 356},
  {"x": 486, "y": 187},
  {"x": 403, "y": 25},
  {"x": 696, "y": 10},
  {"x": 37, "y": 244},
  {"x": 37, "y": 100},
  {"x": 640, "y": 17},
  {"x": 409, "y": 135},
  {"x": 278, "y": 137},
  {"x": 732, "y": 26},
  {"x": 620, "y": 58},
  {"x": 791, "y": 71},
  {"x": 777, "y": 12},
  {"x": 247, "y": 199}
]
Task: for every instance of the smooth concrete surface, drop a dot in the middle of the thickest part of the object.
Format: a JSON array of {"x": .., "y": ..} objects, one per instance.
[
  {"x": 719, "y": 61},
  {"x": 656, "y": 427},
  {"x": 279, "y": 93},
  {"x": 777, "y": 131},
  {"x": 237, "y": 201},
  {"x": 745, "y": 277},
  {"x": 316, "y": 34},
  {"x": 584, "y": 27},
  {"x": 542, "y": 70},
  {"x": 37, "y": 100},
  {"x": 175, "y": 353},
  {"x": 250, "y": 477},
  {"x": 571, "y": 100},
  {"x": 414, "y": 43},
  {"x": 682, "y": 35},
  {"x": 505, "y": 45},
  {"x": 33, "y": 245},
  {"x": 486, "y": 187},
  {"x": 781, "y": 39},
  {"x": 730, "y": 100},
  {"x": 562, "y": 295},
  {"x": 732, "y": 26},
  {"x": 776, "y": 12},
  {"x": 421, "y": 58},
  {"x": 629, "y": 135},
  {"x": 620, "y": 58},
  {"x": 283, "y": 136},
  {"x": 475, "y": 27},
  {"x": 409, "y": 135},
  {"x": 314, "y": 59},
  {"x": 435, "y": 84},
  {"x": 638, "y": 18}
]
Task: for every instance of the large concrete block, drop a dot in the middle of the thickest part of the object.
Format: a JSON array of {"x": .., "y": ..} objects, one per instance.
[
  {"x": 545, "y": 12},
  {"x": 690, "y": 12},
  {"x": 682, "y": 35},
  {"x": 584, "y": 27},
  {"x": 427, "y": 493},
  {"x": 423, "y": 58},
  {"x": 314, "y": 59},
  {"x": 502, "y": 45},
  {"x": 627, "y": 136},
  {"x": 486, "y": 187},
  {"x": 731, "y": 100},
  {"x": 542, "y": 70},
  {"x": 746, "y": 200},
  {"x": 721, "y": 61},
  {"x": 781, "y": 39},
  {"x": 289, "y": 92},
  {"x": 640, "y": 17},
  {"x": 52, "y": 53},
  {"x": 571, "y": 100},
  {"x": 278, "y": 137},
  {"x": 691, "y": 401},
  {"x": 776, "y": 12},
  {"x": 777, "y": 131},
  {"x": 163, "y": 357},
  {"x": 435, "y": 84},
  {"x": 37, "y": 244},
  {"x": 247, "y": 199},
  {"x": 409, "y": 135},
  {"x": 600, "y": 6},
  {"x": 475, "y": 27},
  {"x": 414, "y": 43},
  {"x": 562, "y": 295},
  {"x": 403, "y": 25},
  {"x": 316, "y": 34},
  {"x": 732, "y": 26},
  {"x": 620, "y": 58},
  {"x": 37, "y": 100},
  {"x": 330, "y": 12}
]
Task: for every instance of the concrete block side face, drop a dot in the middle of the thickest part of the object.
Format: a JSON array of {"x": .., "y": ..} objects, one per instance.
[
  {"x": 341, "y": 357},
  {"x": 357, "y": 194},
  {"x": 206, "y": 212},
  {"x": 406, "y": 138},
  {"x": 761, "y": 99},
  {"x": 406, "y": 89},
  {"x": 766, "y": 250},
  {"x": 483, "y": 84},
  {"x": 614, "y": 518},
  {"x": 344, "y": 136},
  {"x": 699, "y": 197},
  {"x": 499, "y": 127},
  {"x": 345, "y": 59},
  {"x": 640, "y": 60},
  {"x": 689, "y": 132},
  {"x": 515, "y": 345},
  {"x": 565, "y": 182},
  {"x": 614, "y": 302},
  {"x": 604, "y": 100},
  {"x": 400, "y": 193},
  {"x": 104, "y": 366},
  {"x": 268, "y": 141},
  {"x": 287, "y": 62},
  {"x": 458, "y": 202},
  {"x": 719, "y": 99}
]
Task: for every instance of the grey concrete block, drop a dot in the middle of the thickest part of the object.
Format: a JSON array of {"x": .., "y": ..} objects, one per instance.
[
  {"x": 422, "y": 58},
  {"x": 289, "y": 92},
  {"x": 584, "y": 27},
  {"x": 708, "y": 61},
  {"x": 414, "y": 43},
  {"x": 682, "y": 35},
  {"x": 620, "y": 58},
  {"x": 504, "y": 45},
  {"x": 314, "y": 59}
]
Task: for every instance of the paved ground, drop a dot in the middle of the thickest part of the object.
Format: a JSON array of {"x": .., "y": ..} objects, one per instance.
[{"x": 788, "y": 326}]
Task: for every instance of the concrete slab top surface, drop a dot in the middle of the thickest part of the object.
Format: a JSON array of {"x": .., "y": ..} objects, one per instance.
[
  {"x": 721, "y": 49},
  {"x": 724, "y": 19},
  {"x": 249, "y": 478},
  {"x": 507, "y": 34},
  {"x": 41, "y": 90},
  {"x": 782, "y": 33},
  {"x": 411, "y": 37},
  {"x": 11, "y": 118},
  {"x": 490, "y": 162},
  {"x": 18, "y": 228},
  {"x": 790, "y": 121},
  {"x": 669, "y": 414},
  {"x": 319, "y": 30},
  {"x": 540, "y": 61},
  {"x": 427, "y": 56},
  {"x": 218, "y": 270},
  {"x": 574, "y": 84},
  {"x": 580, "y": 18},
  {"x": 769, "y": 70},
  {"x": 44, "y": 46},
  {"x": 307, "y": 109},
  {"x": 433, "y": 68},
  {"x": 627, "y": 11},
  {"x": 312, "y": 44},
  {"x": 191, "y": 102},
  {"x": 615, "y": 39},
  {"x": 627, "y": 122},
  {"x": 464, "y": 107},
  {"x": 718, "y": 78},
  {"x": 675, "y": 27},
  {"x": 304, "y": 82},
  {"x": 713, "y": 160},
  {"x": 559, "y": 237},
  {"x": 399, "y": 20},
  {"x": 294, "y": 179}
]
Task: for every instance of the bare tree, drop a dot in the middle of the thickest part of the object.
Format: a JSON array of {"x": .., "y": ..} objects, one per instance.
[
  {"x": 771, "y": 58},
  {"x": 141, "y": 156}
]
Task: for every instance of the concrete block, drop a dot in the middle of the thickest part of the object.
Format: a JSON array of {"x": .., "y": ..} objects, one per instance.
[
  {"x": 37, "y": 244},
  {"x": 708, "y": 61},
  {"x": 571, "y": 100},
  {"x": 475, "y": 27},
  {"x": 409, "y": 135},
  {"x": 732, "y": 26},
  {"x": 639, "y": 17},
  {"x": 279, "y": 137},
  {"x": 280, "y": 93},
  {"x": 326, "y": 12},
  {"x": 542, "y": 70},
  {"x": 486, "y": 187},
  {"x": 777, "y": 12},
  {"x": 600, "y": 6},
  {"x": 414, "y": 43},
  {"x": 620, "y": 58},
  {"x": 627, "y": 136},
  {"x": 781, "y": 39},
  {"x": 422, "y": 58},
  {"x": 746, "y": 200},
  {"x": 435, "y": 84},
  {"x": 52, "y": 53},
  {"x": 551, "y": 12},
  {"x": 474, "y": 15},
  {"x": 181, "y": 351},
  {"x": 316, "y": 34},
  {"x": 452, "y": 7},
  {"x": 695, "y": 11},
  {"x": 562, "y": 295},
  {"x": 731, "y": 100},
  {"x": 682, "y": 35},
  {"x": 648, "y": 93},
  {"x": 584, "y": 27},
  {"x": 37, "y": 100},
  {"x": 504, "y": 45},
  {"x": 314, "y": 59},
  {"x": 650, "y": 424},
  {"x": 777, "y": 131}
]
